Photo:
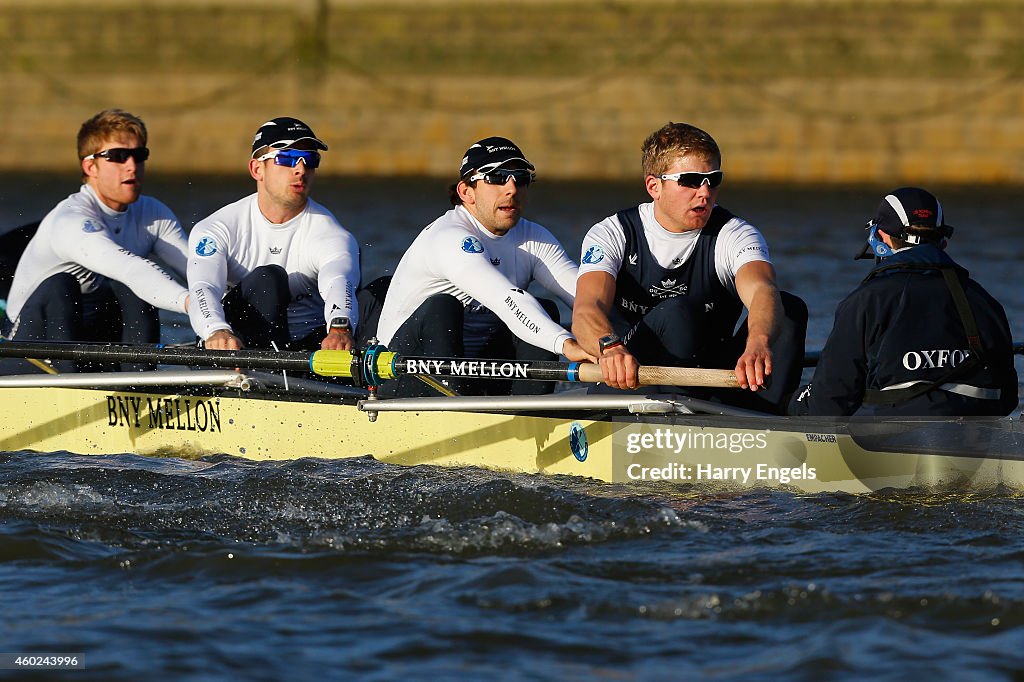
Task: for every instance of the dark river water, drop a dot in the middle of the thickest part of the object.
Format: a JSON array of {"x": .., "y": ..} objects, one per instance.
[{"x": 224, "y": 569}]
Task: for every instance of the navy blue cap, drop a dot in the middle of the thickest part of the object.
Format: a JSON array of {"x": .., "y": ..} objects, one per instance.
[
  {"x": 490, "y": 153},
  {"x": 910, "y": 206},
  {"x": 284, "y": 132}
]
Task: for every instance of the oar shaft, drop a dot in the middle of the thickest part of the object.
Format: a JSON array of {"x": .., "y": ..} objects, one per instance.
[
  {"x": 476, "y": 368},
  {"x": 688, "y": 376},
  {"x": 198, "y": 357},
  {"x": 555, "y": 371},
  {"x": 669, "y": 376},
  {"x": 373, "y": 365}
]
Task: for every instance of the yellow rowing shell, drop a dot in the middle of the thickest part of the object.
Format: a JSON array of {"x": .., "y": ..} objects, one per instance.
[{"x": 618, "y": 447}]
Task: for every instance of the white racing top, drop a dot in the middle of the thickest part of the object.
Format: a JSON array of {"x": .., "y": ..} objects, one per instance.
[
  {"x": 456, "y": 255},
  {"x": 88, "y": 239},
  {"x": 738, "y": 243},
  {"x": 319, "y": 255}
]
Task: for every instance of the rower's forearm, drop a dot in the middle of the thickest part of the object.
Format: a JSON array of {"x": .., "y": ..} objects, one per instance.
[
  {"x": 205, "y": 313},
  {"x": 763, "y": 322},
  {"x": 590, "y": 323}
]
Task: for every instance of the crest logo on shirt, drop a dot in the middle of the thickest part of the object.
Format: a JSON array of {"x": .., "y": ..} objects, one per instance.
[
  {"x": 495, "y": 262},
  {"x": 275, "y": 250},
  {"x": 207, "y": 246},
  {"x": 90, "y": 226},
  {"x": 594, "y": 255},
  {"x": 668, "y": 288},
  {"x": 472, "y": 245}
]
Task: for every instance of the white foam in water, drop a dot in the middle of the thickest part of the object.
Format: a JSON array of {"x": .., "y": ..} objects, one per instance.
[{"x": 46, "y": 495}]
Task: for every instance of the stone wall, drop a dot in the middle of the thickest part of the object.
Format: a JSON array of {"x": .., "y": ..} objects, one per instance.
[{"x": 812, "y": 91}]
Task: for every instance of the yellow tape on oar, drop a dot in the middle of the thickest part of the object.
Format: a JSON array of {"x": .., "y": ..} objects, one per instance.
[
  {"x": 332, "y": 363},
  {"x": 338, "y": 363}
]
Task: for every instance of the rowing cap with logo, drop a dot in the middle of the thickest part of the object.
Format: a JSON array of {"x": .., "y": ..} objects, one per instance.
[
  {"x": 490, "y": 153},
  {"x": 283, "y": 133},
  {"x": 911, "y": 207}
]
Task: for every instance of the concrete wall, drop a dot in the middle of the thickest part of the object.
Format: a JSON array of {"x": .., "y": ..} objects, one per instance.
[{"x": 834, "y": 91}]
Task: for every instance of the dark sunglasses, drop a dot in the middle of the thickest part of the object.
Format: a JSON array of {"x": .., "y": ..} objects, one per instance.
[
  {"x": 694, "y": 180},
  {"x": 122, "y": 154},
  {"x": 520, "y": 176},
  {"x": 291, "y": 157}
]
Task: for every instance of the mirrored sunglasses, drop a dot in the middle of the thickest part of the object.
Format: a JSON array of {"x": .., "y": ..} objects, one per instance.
[
  {"x": 291, "y": 157},
  {"x": 520, "y": 176},
  {"x": 122, "y": 154},
  {"x": 694, "y": 180}
]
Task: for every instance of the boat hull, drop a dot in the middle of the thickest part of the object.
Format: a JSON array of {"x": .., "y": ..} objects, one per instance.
[{"x": 704, "y": 450}]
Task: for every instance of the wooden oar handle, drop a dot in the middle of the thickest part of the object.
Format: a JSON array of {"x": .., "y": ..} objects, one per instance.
[{"x": 670, "y": 376}]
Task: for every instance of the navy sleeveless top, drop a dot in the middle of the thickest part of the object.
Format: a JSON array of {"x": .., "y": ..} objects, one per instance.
[{"x": 642, "y": 283}]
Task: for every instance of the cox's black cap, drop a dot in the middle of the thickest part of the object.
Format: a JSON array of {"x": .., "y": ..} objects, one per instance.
[
  {"x": 911, "y": 214},
  {"x": 910, "y": 206}
]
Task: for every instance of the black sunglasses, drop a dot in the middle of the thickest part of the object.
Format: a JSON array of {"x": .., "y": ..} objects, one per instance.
[
  {"x": 122, "y": 154},
  {"x": 520, "y": 176},
  {"x": 694, "y": 179}
]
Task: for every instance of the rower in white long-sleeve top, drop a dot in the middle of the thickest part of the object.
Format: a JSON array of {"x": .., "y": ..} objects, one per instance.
[
  {"x": 88, "y": 274},
  {"x": 276, "y": 267},
  {"x": 460, "y": 289}
]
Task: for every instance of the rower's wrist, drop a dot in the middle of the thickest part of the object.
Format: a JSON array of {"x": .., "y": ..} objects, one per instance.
[
  {"x": 561, "y": 342},
  {"x": 758, "y": 341},
  {"x": 609, "y": 342},
  {"x": 339, "y": 323}
]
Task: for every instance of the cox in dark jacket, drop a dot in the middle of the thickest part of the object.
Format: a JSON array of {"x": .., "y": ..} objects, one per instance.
[{"x": 918, "y": 337}]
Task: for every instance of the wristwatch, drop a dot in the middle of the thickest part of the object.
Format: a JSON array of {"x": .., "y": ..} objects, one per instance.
[
  {"x": 341, "y": 323},
  {"x": 610, "y": 341}
]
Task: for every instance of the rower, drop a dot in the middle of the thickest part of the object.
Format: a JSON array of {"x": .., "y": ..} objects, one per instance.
[
  {"x": 460, "y": 289},
  {"x": 665, "y": 283},
  {"x": 918, "y": 336},
  {"x": 275, "y": 269},
  {"x": 89, "y": 274}
]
